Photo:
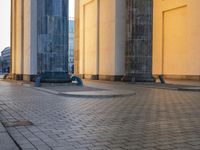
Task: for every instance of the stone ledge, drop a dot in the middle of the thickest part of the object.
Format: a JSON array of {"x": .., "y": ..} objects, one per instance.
[{"x": 180, "y": 77}]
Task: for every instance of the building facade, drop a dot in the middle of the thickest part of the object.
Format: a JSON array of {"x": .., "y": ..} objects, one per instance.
[
  {"x": 1, "y": 70},
  {"x": 137, "y": 40},
  {"x": 5, "y": 60},
  {"x": 39, "y": 39},
  {"x": 114, "y": 39},
  {"x": 176, "y": 50}
]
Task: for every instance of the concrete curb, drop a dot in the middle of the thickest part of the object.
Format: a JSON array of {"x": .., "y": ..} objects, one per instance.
[
  {"x": 91, "y": 94},
  {"x": 99, "y": 94}
]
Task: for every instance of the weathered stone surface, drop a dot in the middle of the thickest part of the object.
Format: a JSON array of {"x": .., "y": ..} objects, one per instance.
[
  {"x": 52, "y": 36},
  {"x": 139, "y": 39}
]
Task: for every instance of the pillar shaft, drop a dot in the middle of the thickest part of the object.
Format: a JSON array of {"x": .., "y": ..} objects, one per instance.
[
  {"x": 76, "y": 38},
  {"x": 18, "y": 39},
  {"x": 39, "y": 39},
  {"x": 139, "y": 39},
  {"x": 52, "y": 38}
]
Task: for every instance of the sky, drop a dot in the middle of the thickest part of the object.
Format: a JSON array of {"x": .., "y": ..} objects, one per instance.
[
  {"x": 4, "y": 24},
  {"x": 71, "y": 8},
  {"x": 5, "y": 21}
]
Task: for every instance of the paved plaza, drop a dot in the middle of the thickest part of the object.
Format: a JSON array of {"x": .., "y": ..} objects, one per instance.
[{"x": 152, "y": 119}]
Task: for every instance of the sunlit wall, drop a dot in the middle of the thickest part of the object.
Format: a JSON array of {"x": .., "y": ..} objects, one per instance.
[{"x": 176, "y": 36}]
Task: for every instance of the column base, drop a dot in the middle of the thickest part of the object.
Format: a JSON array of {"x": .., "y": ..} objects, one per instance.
[
  {"x": 110, "y": 77},
  {"x": 30, "y": 78},
  {"x": 48, "y": 77},
  {"x": 55, "y": 77},
  {"x": 101, "y": 77},
  {"x": 144, "y": 78},
  {"x": 17, "y": 77},
  {"x": 24, "y": 77},
  {"x": 138, "y": 78},
  {"x": 180, "y": 77},
  {"x": 90, "y": 77}
]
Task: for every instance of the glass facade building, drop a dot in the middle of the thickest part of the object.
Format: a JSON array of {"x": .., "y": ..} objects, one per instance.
[
  {"x": 71, "y": 46},
  {"x": 5, "y": 60}
]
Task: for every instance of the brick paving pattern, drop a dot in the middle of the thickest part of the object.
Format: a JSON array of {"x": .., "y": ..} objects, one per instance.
[
  {"x": 153, "y": 119},
  {"x": 6, "y": 142}
]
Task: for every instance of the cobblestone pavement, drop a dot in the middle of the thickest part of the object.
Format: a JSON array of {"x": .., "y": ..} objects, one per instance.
[{"x": 153, "y": 119}]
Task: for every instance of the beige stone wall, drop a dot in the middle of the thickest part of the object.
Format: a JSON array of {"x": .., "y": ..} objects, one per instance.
[
  {"x": 76, "y": 38},
  {"x": 26, "y": 34},
  {"x": 23, "y": 37},
  {"x": 112, "y": 37},
  {"x": 107, "y": 37},
  {"x": 18, "y": 37},
  {"x": 30, "y": 37},
  {"x": 88, "y": 39},
  {"x": 102, "y": 37},
  {"x": 13, "y": 18},
  {"x": 176, "y": 50}
]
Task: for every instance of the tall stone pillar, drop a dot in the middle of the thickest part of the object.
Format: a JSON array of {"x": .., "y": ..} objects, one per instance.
[
  {"x": 23, "y": 39},
  {"x": 52, "y": 39},
  {"x": 18, "y": 37},
  {"x": 39, "y": 40},
  {"x": 12, "y": 29},
  {"x": 29, "y": 40},
  {"x": 76, "y": 38},
  {"x": 139, "y": 40}
]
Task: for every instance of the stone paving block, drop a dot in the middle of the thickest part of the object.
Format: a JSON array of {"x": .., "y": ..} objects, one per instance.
[
  {"x": 26, "y": 146},
  {"x": 2, "y": 129},
  {"x": 59, "y": 148},
  {"x": 29, "y": 149},
  {"x": 6, "y": 143},
  {"x": 43, "y": 147}
]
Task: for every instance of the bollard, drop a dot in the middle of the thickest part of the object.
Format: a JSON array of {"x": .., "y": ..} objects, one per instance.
[
  {"x": 38, "y": 81},
  {"x": 162, "y": 80},
  {"x": 78, "y": 80}
]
